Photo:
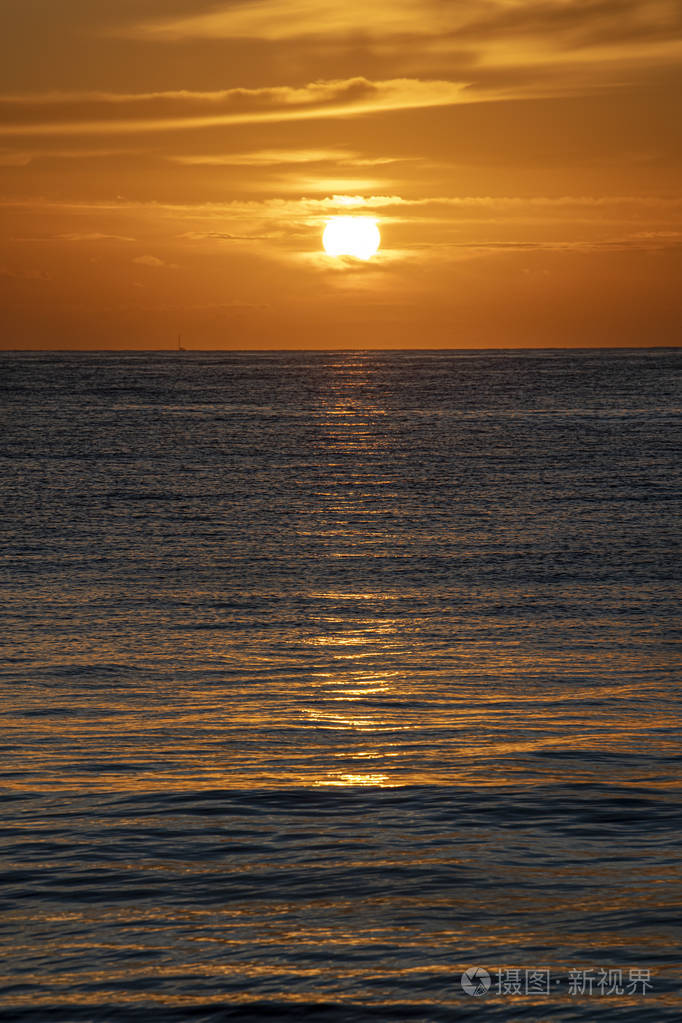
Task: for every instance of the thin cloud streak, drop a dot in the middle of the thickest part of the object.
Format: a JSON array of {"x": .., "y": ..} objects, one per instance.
[
  {"x": 480, "y": 22},
  {"x": 159, "y": 112},
  {"x": 281, "y": 206},
  {"x": 155, "y": 262},
  {"x": 586, "y": 42},
  {"x": 263, "y": 158},
  {"x": 95, "y": 236},
  {"x": 282, "y": 157},
  {"x": 283, "y": 228},
  {"x": 273, "y": 20}
]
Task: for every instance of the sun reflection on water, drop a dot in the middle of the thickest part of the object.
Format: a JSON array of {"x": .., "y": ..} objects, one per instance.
[{"x": 355, "y": 780}]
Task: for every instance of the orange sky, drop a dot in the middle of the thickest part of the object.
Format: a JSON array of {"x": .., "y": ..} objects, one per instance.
[{"x": 168, "y": 166}]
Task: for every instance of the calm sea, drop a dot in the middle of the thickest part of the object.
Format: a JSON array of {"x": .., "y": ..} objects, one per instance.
[{"x": 328, "y": 677}]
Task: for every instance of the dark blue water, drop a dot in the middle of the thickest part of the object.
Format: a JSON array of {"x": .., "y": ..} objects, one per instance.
[{"x": 329, "y": 676}]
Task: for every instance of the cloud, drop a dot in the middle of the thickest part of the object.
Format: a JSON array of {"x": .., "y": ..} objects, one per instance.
[
  {"x": 264, "y": 158},
  {"x": 617, "y": 244},
  {"x": 201, "y": 236},
  {"x": 274, "y": 20},
  {"x": 574, "y": 25},
  {"x": 22, "y": 158},
  {"x": 277, "y": 206},
  {"x": 416, "y": 229},
  {"x": 485, "y": 34},
  {"x": 86, "y": 113},
  {"x": 24, "y": 275},
  {"x": 583, "y": 23},
  {"x": 75, "y": 236},
  {"x": 489, "y": 49},
  {"x": 8, "y": 158},
  {"x": 285, "y": 157},
  {"x": 94, "y": 236},
  {"x": 154, "y": 261}
]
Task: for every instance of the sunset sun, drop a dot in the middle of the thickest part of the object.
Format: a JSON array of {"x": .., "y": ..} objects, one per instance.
[{"x": 351, "y": 236}]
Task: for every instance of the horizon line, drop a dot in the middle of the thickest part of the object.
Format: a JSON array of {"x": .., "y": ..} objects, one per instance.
[{"x": 363, "y": 348}]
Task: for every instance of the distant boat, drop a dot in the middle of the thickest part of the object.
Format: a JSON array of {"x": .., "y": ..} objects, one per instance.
[{"x": 180, "y": 348}]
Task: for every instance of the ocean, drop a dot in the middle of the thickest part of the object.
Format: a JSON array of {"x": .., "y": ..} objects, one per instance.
[{"x": 341, "y": 686}]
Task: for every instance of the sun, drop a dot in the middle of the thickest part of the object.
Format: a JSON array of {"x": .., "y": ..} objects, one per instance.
[{"x": 351, "y": 236}]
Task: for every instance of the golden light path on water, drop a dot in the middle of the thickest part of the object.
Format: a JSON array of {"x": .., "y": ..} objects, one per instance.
[
  {"x": 343, "y": 689},
  {"x": 367, "y": 687}
]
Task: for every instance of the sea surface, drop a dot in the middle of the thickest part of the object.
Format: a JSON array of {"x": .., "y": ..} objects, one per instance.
[{"x": 327, "y": 677}]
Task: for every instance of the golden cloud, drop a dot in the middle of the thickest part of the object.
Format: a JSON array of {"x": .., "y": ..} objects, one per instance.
[{"x": 101, "y": 113}]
